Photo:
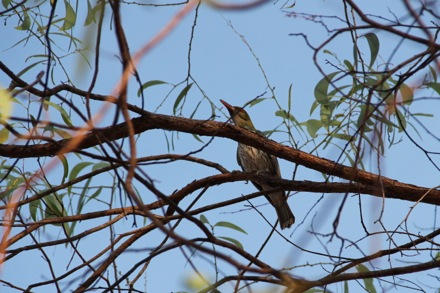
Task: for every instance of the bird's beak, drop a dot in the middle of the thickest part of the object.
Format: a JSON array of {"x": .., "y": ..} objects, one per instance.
[{"x": 231, "y": 109}]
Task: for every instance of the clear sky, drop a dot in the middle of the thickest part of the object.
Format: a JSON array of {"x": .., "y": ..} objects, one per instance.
[{"x": 224, "y": 68}]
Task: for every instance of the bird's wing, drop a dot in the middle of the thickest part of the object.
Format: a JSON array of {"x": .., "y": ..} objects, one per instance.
[
  {"x": 258, "y": 186},
  {"x": 274, "y": 167}
]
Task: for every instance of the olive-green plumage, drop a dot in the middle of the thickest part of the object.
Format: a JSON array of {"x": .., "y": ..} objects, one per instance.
[{"x": 251, "y": 159}]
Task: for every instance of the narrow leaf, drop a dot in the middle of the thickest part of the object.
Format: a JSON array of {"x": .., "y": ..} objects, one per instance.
[
  {"x": 26, "y": 21},
  {"x": 4, "y": 135},
  {"x": 348, "y": 65},
  {"x": 90, "y": 14},
  {"x": 34, "y": 207},
  {"x": 29, "y": 67},
  {"x": 402, "y": 120},
  {"x": 100, "y": 165},
  {"x": 95, "y": 194},
  {"x": 373, "y": 42},
  {"x": 53, "y": 207},
  {"x": 197, "y": 138},
  {"x": 435, "y": 86},
  {"x": 321, "y": 89},
  {"x": 203, "y": 219},
  {"x": 326, "y": 114},
  {"x": 407, "y": 94},
  {"x": 315, "y": 105},
  {"x": 5, "y": 104},
  {"x": 313, "y": 126},
  {"x": 433, "y": 73},
  {"x": 289, "y": 98},
  {"x": 369, "y": 286},
  {"x": 148, "y": 84},
  {"x": 62, "y": 133},
  {"x": 6, "y": 3},
  {"x": 60, "y": 109},
  {"x": 233, "y": 241},
  {"x": 70, "y": 18},
  {"x": 342, "y": 136},
  {"x": 355, "y": 55},
  {"x": 230, "y": 225},
  {"x": 65, "y": 163},
  {"x": 283, "y": 114},
  {"x": 180, "y": 97},
  {"x": 256, "y": 101},
  {"x": 76, "y": 170}
]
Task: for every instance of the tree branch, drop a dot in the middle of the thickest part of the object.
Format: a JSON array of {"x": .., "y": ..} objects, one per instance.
[{"x": 211, "y": 128}]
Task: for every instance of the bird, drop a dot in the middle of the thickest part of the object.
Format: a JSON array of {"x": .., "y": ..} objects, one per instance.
[{"x": 252, "y": 159}]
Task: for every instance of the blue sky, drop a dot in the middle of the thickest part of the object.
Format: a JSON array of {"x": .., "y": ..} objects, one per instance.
[{"x": 224, "y": 68}]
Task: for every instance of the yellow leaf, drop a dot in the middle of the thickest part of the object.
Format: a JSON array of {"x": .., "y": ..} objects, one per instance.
[{"x": 5, "y": 104}]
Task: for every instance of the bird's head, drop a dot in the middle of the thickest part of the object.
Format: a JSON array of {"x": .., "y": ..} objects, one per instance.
[{"x": 239, "y": 116}]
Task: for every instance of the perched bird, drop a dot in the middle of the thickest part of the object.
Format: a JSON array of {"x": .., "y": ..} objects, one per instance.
[{"x": 251, "y": 159}]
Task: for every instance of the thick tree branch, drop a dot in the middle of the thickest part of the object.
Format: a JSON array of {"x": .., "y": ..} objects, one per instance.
[{"x": 211, "y": 128}]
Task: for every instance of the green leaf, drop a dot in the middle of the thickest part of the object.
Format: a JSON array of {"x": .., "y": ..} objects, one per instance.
[
  {"x": 100, "y": 165},
  {"x": 12, "y": 185},
  {"x": 204, "y": 220},
  {"x": 5, "y": 104},
  {"x": 256, "y": 101},
  {"x": 82, "y": 197},
  {"x": 4, "y": 135},
  {"x": 197, "y": 138},
  {"x": 423, "y": 115},
  {"x": 26, "y": 21},
  {"x": 365, "y": 111},
  {"x": 78, "y": 168},
  {"x": 230, "y": 225},
  {"x": 325, "y": 51},
  {"x": 34, "y": 207},
  {"x": 373, "y": 42},
  {"x": 75, "y": 171},
  {"x": 401, "y": 119},
  {"x": 315, "y": 105},
  {"x": 435, "y": 86},
  {"x": 148, "y": 84},
  {"x": 407, "y": 94},
  {"x": 6, "y": 3},
  {"x": 53, "y": 207},
  {"x": 62, "y": 133},
  {"x": 313, "y": 126},
  {"x": 355, "y": 55},
  {"x": 289, "y": 98},
  {"x": 70, "y": 18},
  {"x": 90, "y": 14},
  {"x": 180, "y": 97},
  {"x": 369, "y": 286},
  {"x": 348, "y": 65},
  {"x": 283, "y": 114},
  {"x": 29, "y": 67},
  {"x": 321, "y": 89},
  {"x": 326, "y": 114},
  {"x": 95, "y": 194},
  {"x": 433, "y": 73},
  {"x": 342, "y": 136},
  {"x": 65, "y": 163},
  {"x": 63, "y": 112},
  {"x": 233, "y": 241}
]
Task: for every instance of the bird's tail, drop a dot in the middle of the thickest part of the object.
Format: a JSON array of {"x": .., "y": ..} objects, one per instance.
[{"x": 285, "y": 215}]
